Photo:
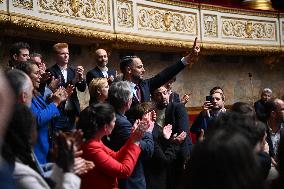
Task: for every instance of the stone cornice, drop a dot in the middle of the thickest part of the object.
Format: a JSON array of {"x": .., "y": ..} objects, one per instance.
[{"x": 161, "y": 25}]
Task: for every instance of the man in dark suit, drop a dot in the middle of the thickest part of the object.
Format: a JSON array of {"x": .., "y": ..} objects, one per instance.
[
  {"x": 133, "y": 71},
  {"x": 259, "y": 105},
  {"x": 67, "y": 76},
  {"x": 101, "y": 69},
  {"x": 176, "y": 115},
  {"x": 120, "y": 97}
]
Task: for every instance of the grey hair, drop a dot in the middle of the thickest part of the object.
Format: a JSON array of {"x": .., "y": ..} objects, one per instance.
[
  {"x": 34, "y": 54},
  {"x": 119, "y": 93},
  {"x": 266, "y": 90},
  {"x": 19, "y": 81}
]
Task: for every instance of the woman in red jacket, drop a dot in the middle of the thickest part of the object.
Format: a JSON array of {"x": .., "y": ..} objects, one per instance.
[{"x": 98, "y": 121}]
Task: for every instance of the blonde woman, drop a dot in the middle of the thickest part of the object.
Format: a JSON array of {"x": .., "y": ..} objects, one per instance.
[{"x": 98, "y": 89}]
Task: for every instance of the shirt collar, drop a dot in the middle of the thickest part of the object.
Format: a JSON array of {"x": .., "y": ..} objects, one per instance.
[{"x": 62, "y": 68}]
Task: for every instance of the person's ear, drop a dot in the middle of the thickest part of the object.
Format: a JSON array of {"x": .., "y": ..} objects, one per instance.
[
  {"x": 128, "y": 69},
  {"x": 22, "y": 97},
  {"x": 273, "y": 114},
  {"x": 15, "y": 56}
]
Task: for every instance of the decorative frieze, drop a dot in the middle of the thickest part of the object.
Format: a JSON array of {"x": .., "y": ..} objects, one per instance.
[
  {"x": 237, "y": 28},
  {"x": 92, "y": 10},
  {"x": 166, "y": 20},
  {"x": 27, "y": 4},
  {"x": 125, "y": 13}
]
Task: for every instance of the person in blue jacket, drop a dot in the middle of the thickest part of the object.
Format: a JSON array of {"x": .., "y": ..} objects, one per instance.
[{"x": 43, "y": 112}]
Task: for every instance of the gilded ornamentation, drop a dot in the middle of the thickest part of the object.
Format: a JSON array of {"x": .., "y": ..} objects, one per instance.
[
  {"x": 92, "y": 10},
  {"x": 248, "y": 29},
  {"x": 210, "y": 25},
  {"x": 27, "y": 4},
  {"x": 39, "y": 25},
  {"x": 166, "y": 20},
  {"x": 1, "y": 1},
  {"x": 125, "y": 13},
  {"x": 238, "y": 11}
]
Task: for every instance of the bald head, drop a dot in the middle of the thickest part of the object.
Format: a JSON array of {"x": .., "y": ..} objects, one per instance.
[{"x": 101, "y": 57}]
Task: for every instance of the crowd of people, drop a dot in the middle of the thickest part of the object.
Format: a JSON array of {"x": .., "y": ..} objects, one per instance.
[{"x": 135, "y": 133}]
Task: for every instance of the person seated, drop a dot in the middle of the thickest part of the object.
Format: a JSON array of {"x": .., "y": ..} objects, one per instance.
[
  {"x": 97, "y": 121},
  {"x": 17, "y": 151},
  {"x": 98, "y": 89}
]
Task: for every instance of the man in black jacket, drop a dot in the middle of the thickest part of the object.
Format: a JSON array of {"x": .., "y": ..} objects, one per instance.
[
  {"x": 67, "y": 76},
  {"x": 133, "y": 71},
  {"x": 176, "y": 115}
]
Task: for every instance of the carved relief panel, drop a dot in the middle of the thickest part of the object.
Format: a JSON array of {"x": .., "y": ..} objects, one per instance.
[
  {"x": 210, "y": 25},
  {"x": 88, "y": 10},
  {"x": 165, "y": 20},
  {"x": 27, "y": 4},
  {"x": 248, "y": 29},
  {"x": 125, "y": 13}
]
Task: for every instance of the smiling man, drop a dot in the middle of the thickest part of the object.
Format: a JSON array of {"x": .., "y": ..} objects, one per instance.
[
  {"x": 133, "y": 71},
  {"x": 101, "y": 69}
]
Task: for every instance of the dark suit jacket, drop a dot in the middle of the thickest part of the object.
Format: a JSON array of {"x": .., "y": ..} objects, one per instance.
[
  {"x": 96, "y": 72},
  {"x": 165, "y": 152},
  {"x": 81, "y": 86},
  {"x": 149, "y": 85},
  {"x": 174, "y": 97},
  {"x": 177, "y": 116},
  {"x": 118, "y": 137},
  {"x": 260, "y": 111}
]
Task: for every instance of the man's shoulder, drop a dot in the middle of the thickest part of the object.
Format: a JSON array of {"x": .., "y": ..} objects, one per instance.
[{"x": 121, "y": 120}]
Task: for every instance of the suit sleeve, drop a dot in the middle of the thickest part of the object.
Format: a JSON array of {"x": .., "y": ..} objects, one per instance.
[
  {"x": 182, "y": 124},
  {"x": 147, "y": 146},
  {"x": 89, "y": 77},
  {"x": 43, "y": 116},
  {"x": 120, "y": 134},
  {"x": 165, "y": 75},
  {"x": 81, "y": 85},
  {"x": 164, "y": 151}
]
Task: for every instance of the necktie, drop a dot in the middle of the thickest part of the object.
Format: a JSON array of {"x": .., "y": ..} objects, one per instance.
[{"x": 138, "y": 93}]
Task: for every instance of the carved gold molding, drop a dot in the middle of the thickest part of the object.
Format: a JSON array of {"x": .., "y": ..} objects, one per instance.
[
  {"x": 1, "y": 1},
  {"x": 4, "y": 17},
  {"x": 26, "y": 4},
  {"x": 87, "y": 10},
  {"x": 213, "y": 48},
  {"x": 166, "y": 20},
  {"x": 239, "y": 11},
  {"x": 248, "y": 29},
  {"x": 58, "y": 28},
  {"x": 125, "y": 13},
  {"x": 177, "y": 3}
]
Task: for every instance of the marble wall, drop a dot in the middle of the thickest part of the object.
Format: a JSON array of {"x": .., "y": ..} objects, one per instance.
[{"x": 229, "y": 72}]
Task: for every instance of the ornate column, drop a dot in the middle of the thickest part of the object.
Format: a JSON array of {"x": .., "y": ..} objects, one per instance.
[{"x": 258, "y": 4}]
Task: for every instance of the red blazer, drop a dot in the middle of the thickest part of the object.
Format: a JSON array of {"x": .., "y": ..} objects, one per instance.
[{"x": 109, "y": 165}]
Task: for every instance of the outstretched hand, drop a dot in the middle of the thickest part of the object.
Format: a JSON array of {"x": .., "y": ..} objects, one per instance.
[{"x": 193, "y": 55}]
